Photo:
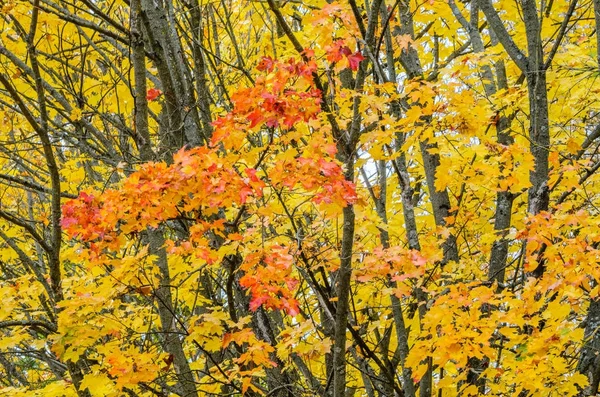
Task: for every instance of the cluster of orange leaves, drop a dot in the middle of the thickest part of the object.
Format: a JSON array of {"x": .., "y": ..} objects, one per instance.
[
  {"x": 202, "y": 180},
  {"x": 283, "y": 96}
]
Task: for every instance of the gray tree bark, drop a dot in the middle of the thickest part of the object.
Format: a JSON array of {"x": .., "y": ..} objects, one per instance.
[
  {"x": 180, "y": 130},
  {"x": 170, "y": 328},
  {"x": 589, "y": 361}
]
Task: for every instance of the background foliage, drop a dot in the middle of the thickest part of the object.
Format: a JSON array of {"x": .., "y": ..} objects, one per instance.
[{"x": 285, "y": 198}]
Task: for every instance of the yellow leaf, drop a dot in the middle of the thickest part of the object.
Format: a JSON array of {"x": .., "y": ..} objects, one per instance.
[{"x": 99, "y": 385}]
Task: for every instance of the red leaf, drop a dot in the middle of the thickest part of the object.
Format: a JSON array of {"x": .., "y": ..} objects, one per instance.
[
  {"x": 153, "y": 93},
  {"x": 256, "y": 302},
  {"x": 345, "y": 50},
  {"x": 355, "y": 60},
  {"x": 272, "y": 122},
  {"x": 256, "y": 117},
  {"x": 329, "y": 168},
  {"x": 266, "y": 63},
  {"x": 291, "y": 307},
  {"x": 308, "y": 53},
  {"x": 245, "y": 191},
  {"x": 251, "y": 172},
  {"x": 87, "y": 198},
  {"x": 67, "y": 222},
  {"x": 336, "y": 51}
]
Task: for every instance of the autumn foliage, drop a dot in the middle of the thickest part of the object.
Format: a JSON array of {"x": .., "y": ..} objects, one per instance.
[{"x": 299, "y": 198}]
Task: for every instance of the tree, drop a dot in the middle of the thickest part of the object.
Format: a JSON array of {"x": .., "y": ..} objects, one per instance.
[{"x": 280, "y": 198}]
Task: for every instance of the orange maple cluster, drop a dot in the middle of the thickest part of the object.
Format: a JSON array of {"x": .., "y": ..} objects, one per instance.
[
  {"x": 269, "y": 280},
  {"x": 198, "y": 179},
  {"x": 338, "y": 51},
  {"x": 203, "y": 180},
  {"x": 321, "y": 176},
  {"x": 283, "y": 96}
]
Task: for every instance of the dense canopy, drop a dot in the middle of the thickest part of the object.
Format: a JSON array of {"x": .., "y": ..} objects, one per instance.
[{"x": 299, "y": 198}]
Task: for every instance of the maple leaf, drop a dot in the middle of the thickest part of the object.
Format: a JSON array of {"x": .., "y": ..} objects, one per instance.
[
  {"x": 153, "y": 94},
  {"x": 98, "y": 384},
  {"x": 87, "y": 198},
  {"x": 329, "y": 168},
  {"x": 266, "y": 64},
  {"x": 255, "y": 118},
  {"x": 251, "y": 172},
  {"x": 355, "y": 59},
  {"x": 345, "y": 50},
  {"x": 337, "y": 50},
  {"x": 245, "y": 192},
  {"x": 257, "y": 302},
  {"x": 404, "y": 41},
  {"x": 168, "y": 362},
  {"x": 308, "y": 53}
]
